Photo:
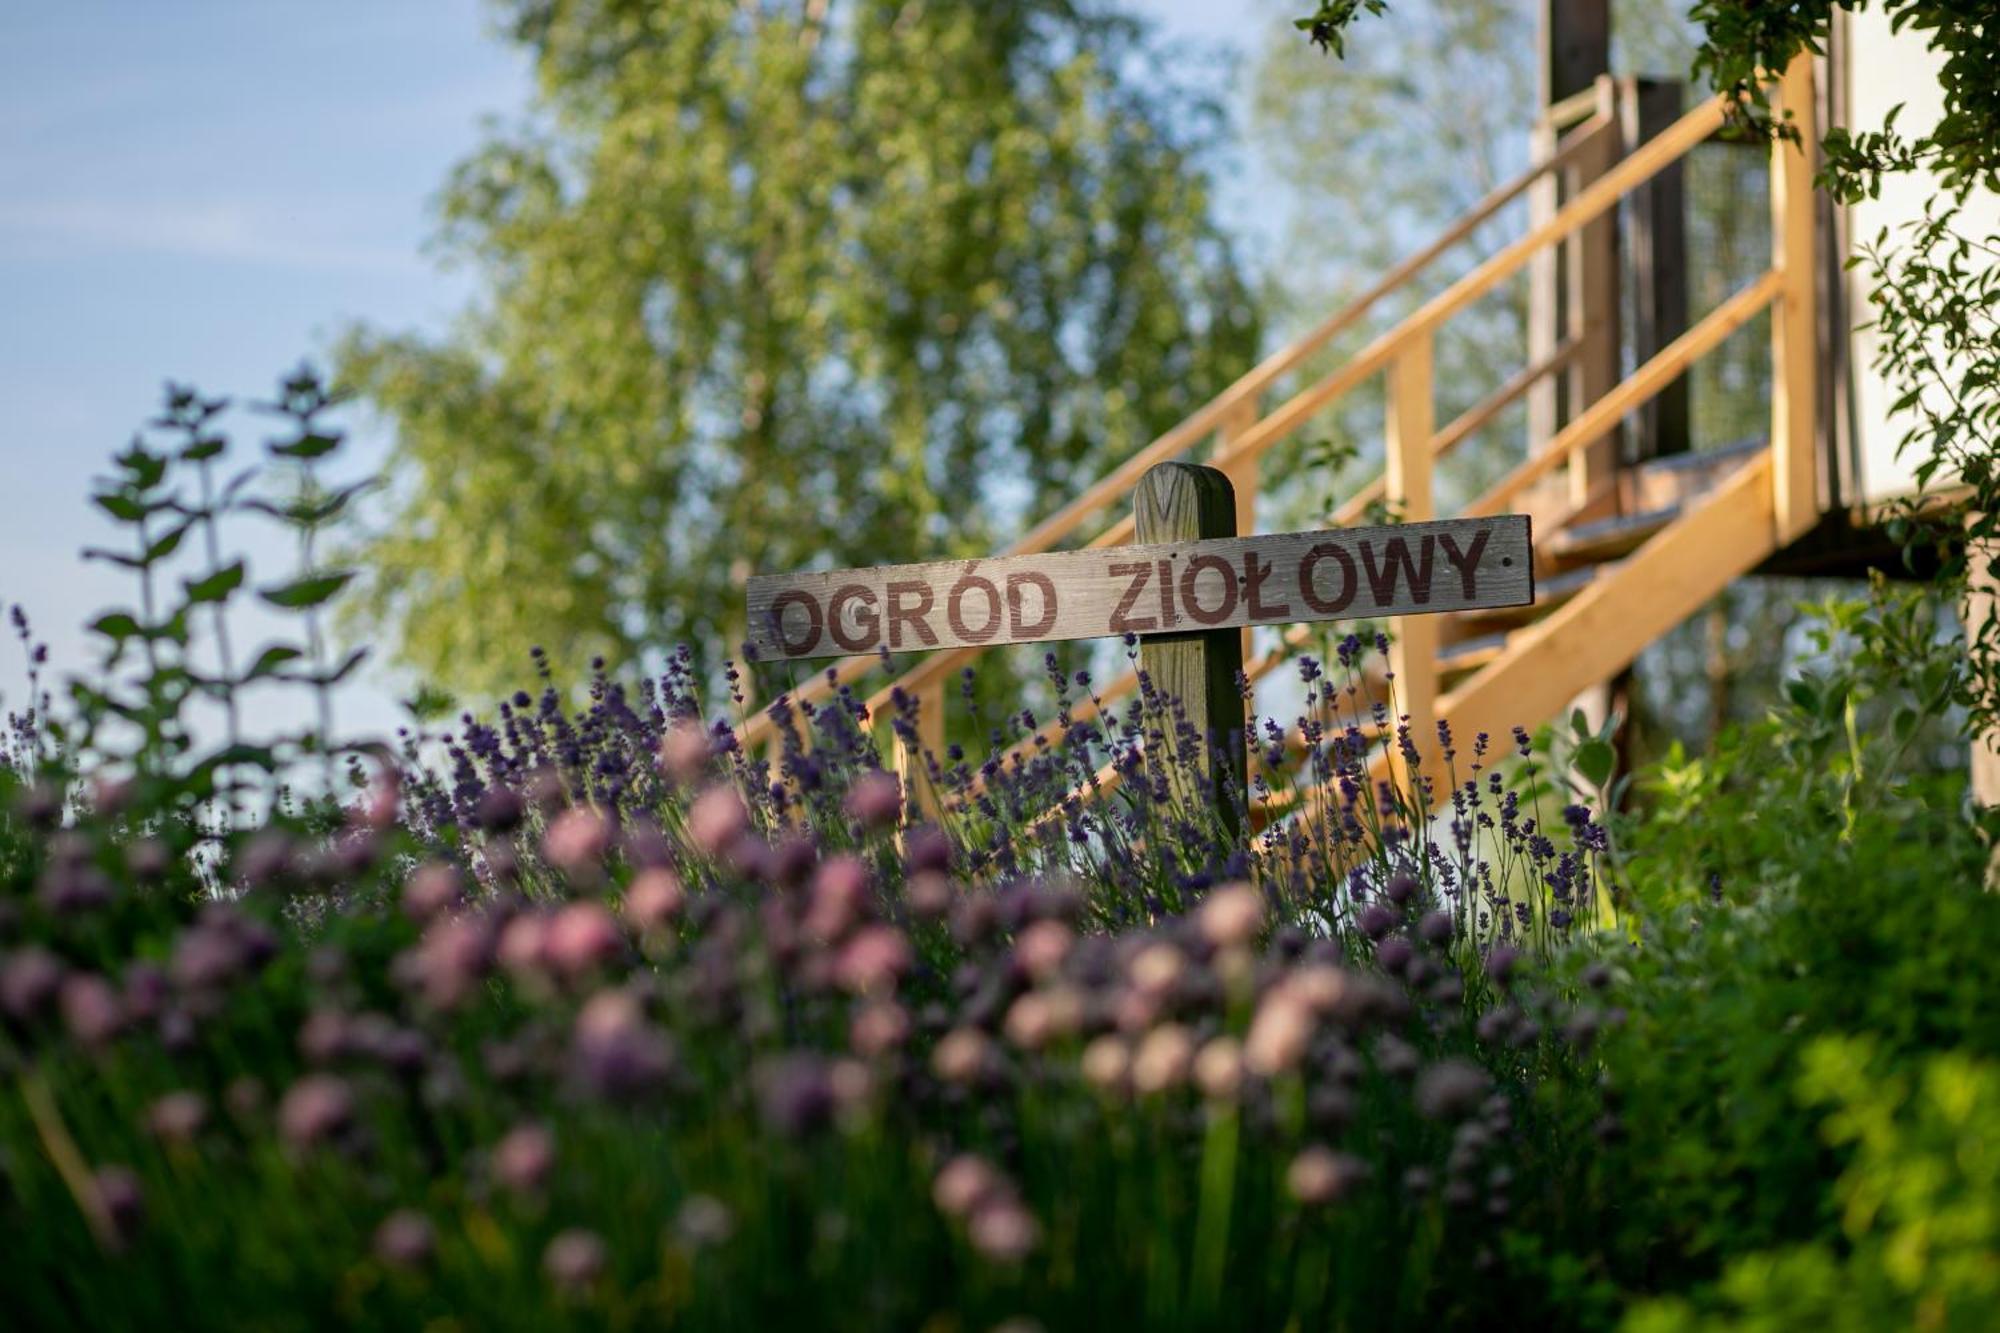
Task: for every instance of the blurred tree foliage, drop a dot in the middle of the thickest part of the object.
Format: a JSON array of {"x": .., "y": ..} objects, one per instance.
[
  {"x": 1379, "y": 153},
  {"x": 767, "y": 285}
]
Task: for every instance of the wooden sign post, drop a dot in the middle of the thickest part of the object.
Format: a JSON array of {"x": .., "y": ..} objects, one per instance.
[
  {"x": 1185, "y": 589},
  {"x": 1198, "y": 670}
]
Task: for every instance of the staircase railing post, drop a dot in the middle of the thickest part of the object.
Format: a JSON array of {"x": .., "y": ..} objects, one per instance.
[
  {"x": 1794, "y": 314},
  {"x": 1592, "y": 262},
  {"x": 1414, "y": 648},
  {"x": 918, "y": 792}
]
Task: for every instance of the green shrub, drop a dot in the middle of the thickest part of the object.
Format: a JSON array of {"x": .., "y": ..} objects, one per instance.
[
  {"x": 1917, "y": 1239},
  {"x": 1795, "y": 888}
]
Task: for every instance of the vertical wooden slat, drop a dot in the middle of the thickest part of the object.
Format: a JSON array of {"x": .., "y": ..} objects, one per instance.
[
  {"x": 1414, "y": 647},
  {"x": 1794, "y": 315},
  {"x": 1545, "y": 333},
  {"x": 1592, "y": 318},
  {"x": 1658, "y": 246},
  {"x": 1243, "y": 477},
  {"x": 918, "y": 793},
  {"x": 1575, "y": 46}
]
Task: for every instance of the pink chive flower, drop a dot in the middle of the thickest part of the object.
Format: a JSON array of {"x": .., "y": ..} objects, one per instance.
[
  {"x": 685, "y": 752},
  {"x": 582, "y": 937},
  {"x": 577, "y": 841},
  {"x": 91, "y": 1008},
  {"x": 653, "y": 900},
  {"x": 405, "y": 1239},
  {"x": 873, "y": 960},
  {"x": 574, "y": 1259},
  {"x": 523, "y": 1158},
  {"x": 876, "y": 799},
  {"x": 315, "y": 1110},
  {"x": 838, "y": 897},
  {"x": 717, "y": 819},
  {"x": 432, "y": 889}
]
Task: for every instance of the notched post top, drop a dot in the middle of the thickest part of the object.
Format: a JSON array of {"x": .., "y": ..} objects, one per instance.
[{"x": 1196, "y": 669}]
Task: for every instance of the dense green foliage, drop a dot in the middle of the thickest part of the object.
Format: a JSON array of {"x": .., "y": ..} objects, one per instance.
[
  {"x": 1810, "y": 909},
  {"x": 769, "y": 285}
]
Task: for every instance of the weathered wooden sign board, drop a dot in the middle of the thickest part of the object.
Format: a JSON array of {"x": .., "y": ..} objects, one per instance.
[{"x": 1168, "y": 588}]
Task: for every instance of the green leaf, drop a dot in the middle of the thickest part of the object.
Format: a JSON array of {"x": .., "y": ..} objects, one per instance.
[
  {"x": 165, "y": 546},
  {"x": 1594, "y": 760},
  {"x": 117, "y": 625},
  {"x": 306, "y": 512},
  {"x": 121, "y": 507},
  {"x": 430, "y": 703},
  {"x": 334, "y": 677},
  {"x": 217, "y": 586},
  {"x": 209, "y": 446},
  {"x": 145, "y": 467},
  {"x": 300, "y": 594},
  {"x": 307, "y": 446},
  {"x": 270, "y": 661}
]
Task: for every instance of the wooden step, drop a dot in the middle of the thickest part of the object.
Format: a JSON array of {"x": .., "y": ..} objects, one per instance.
[
  {"x": 1550, "y": 592},
  {"x": 1662, "y": 483},
  {"x": 1606, "y": 539},
  {"x": 1468, "y": 655}
]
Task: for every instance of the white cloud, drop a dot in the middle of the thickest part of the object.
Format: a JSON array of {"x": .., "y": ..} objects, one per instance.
[{"x": 227, "y": 231}]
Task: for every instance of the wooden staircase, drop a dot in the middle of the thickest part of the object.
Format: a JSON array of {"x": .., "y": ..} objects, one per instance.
[{"x": 1623, "y": 554}]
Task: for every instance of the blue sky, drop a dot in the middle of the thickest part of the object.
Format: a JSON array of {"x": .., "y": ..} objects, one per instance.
[{"x": 209, "y": 190}]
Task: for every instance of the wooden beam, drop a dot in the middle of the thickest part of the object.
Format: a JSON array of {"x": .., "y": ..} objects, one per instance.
[
  {"x": 1545, "y": 321},
  {"x": 1794, "y": 316},
  {"x": 1196, "y": 672},
  {"x": 1642, "y": 384},
  {"x": 1591, "y": 316},
  {"x": 1414, "y": 645},
  {"x": 1658, "y": 245},
  {"x": 1575, "y": 47}
]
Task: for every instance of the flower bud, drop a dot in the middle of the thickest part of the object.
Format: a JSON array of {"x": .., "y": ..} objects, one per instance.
[{"x": 1232, "y": 915}]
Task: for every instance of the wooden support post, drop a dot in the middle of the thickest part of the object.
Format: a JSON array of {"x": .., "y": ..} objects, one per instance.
[
  {"x": 1573, "y": 287},
  {"x": 918, "y": 793},
  {"x": 1183, "y": 502},
  {"x": 1243, "y": 477},
  {"x": 1658, "y": 245},
  {"x": 1794, "y": 314},
  {"x": 1575, "y": 46},
  {"x": 1545, "y": 335},
  {"x": 1592, "y": 318},
  {"x": 1413, "y": 649}
]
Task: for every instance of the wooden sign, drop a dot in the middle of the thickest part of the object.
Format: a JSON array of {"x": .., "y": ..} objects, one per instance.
[{"x": 1169, "y": 588}]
